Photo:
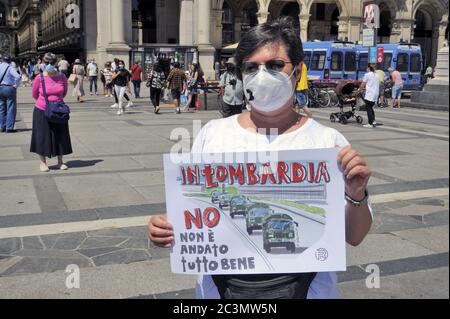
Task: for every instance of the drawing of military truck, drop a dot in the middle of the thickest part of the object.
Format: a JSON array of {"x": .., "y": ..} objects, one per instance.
[
  {"x": 215, "y": 196},
  {"x": 255, "y": 215},
  {"x": 239, "y": 205},
  {"x": 224, "y": 200},
  {"x": 279, "y": 230}
]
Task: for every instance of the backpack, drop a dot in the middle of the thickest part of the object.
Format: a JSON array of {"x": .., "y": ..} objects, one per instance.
[{"x": 281, "y": 286}]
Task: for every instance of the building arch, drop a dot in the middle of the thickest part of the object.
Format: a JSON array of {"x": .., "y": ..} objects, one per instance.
[
  {"x": 3, "y": 14},
  {"x": 228, "y": 20},
  {"x": 249, "y": 15},
  {"x": 291, "y": 9},
  {"x": 436, "y": 7},
  {"x": 324, "y": 20}
]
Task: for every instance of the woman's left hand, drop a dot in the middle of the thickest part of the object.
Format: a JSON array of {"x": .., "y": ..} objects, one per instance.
[{"x": 356, "y": 172}]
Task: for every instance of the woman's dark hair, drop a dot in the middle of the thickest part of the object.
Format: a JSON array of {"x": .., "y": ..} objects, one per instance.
[
  {"x": 281, "y": 30},
  {"x": 176, "y": 65},
  {"x": 50, "y": 58},
  {"x": 371, "y": 68},
  {"x": 157, "y": 68}
]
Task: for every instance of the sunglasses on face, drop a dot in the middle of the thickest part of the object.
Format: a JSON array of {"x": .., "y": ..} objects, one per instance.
[{"x": 271, "y": 65}]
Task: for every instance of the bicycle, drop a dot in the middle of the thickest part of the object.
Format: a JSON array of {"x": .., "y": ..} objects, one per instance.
[{"x": 318, "y": 97}]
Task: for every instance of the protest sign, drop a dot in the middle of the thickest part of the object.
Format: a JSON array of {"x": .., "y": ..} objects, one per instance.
[{"x": 245, "y": 216}]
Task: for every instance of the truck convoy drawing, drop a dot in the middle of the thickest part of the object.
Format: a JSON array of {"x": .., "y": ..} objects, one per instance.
[
  {"x": 224, "y": 200},
  {"x": 255, "y": 215},
  {"x": 215, "y": 196},
  {"x": 239, "y": 205},
  {"x": 279, "y": 230}
]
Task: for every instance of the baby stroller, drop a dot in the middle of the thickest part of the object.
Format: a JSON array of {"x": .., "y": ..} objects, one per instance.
[{"x": 348, "y": 94}]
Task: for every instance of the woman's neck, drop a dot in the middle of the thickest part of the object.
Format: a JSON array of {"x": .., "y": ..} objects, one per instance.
[{"x": 280, "y": 122}]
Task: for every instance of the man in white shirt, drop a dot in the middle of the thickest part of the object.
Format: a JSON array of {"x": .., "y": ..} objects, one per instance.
[
  {"x": 92, "y": 70},
  {"x": 63, "y": 66},
  {"x": 371, "y": 82}
]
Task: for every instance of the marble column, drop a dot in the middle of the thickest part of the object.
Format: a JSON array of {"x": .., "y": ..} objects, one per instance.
[
  {"x": 354, "y": 29},
  {"x": 442, "y": 28},
  {"x": 216, "y": 24},
  {"x": 186, "y": 22},
  {"x": 263, "y": 12},
  {"x": 402, "y": 29},
  {"x": 343, "y": 25},
  {"x": 304, "y": 21},
  {"x": 118, "y": 46},
  {"x": 237, "y": 28},
  {"x": 206, "y": 50}
]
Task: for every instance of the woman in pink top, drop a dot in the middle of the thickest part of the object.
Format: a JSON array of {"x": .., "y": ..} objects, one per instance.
[{"x": 49, "y": 139}]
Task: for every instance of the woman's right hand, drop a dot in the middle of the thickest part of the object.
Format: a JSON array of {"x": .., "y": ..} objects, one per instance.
[{"x": 160, "y": 231}]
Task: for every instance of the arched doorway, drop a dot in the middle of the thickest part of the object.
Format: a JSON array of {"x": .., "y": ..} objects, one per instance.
[
  {"x": 384, "y": 32},
  {"x": 2, "y": 15},
  {"x": 334, "y": 30},
  {"x": 423, "y": 33},
  {"x": 323, "y": 22},
  {"x": 144, "y": 21},
  {"x": 4, "y": 43},
  {"x": 292, "y": 9},
  {"x": 227, "y": 24},
  {"x": 249, "y": 16}
]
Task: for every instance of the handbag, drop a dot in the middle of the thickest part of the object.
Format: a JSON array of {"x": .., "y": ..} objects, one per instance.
[
  {"x": 72, "y": 78},
  {"x": 55, "y": 112}
]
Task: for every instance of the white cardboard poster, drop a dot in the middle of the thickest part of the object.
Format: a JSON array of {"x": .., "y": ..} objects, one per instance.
[{"x": 255, "y": 217}]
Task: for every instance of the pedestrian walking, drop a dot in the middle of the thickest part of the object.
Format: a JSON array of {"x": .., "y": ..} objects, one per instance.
[
  {"x": 198, "y": 77},
  {"x": 175, "y": 82},
  {"x": 64, "y": 66},
  {"x": 302, "y": 92},
  {"x": 80, "y": 72},
  {"x": 114, "y": 69},
  {"x": 92, "y": 70},
  {"x": 25, "y": 78},
  {"x": 270, "y": 87},
  {"x": 36, "y": 69},
  {"x": 156, "y": 82},
  {"x": 382, "y": 77},
  {"x": 136, "y": 79},
  {"x": 371, "y": 83},
  {"x": 429, "y": 74},
  {"x": 9, "y": 82},
  {"x": 231, "y": 91},
  {"x": 121, "y": 80},
  {"x": 107, "y": 75},
  {"x": 397, "y": 82},
  {"x": 48, "y": 139}
]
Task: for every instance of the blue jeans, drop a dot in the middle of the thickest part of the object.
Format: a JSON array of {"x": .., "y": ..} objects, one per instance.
[
  {"x": 93, "y": 82},
  {"x": 137, "y": 88},
  {"x": 397, "y": 91},
  {"x": 8, "y": 107},
  {"x": 301, "y": 98}
]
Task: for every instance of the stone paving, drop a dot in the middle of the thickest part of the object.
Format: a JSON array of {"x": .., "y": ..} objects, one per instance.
[{"x": 116, "y": 172}]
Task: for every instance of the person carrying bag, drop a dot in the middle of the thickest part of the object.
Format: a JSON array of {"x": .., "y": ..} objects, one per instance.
[
  {"x": 55, "y": 112},
  {"x": 50, "y": 135}
]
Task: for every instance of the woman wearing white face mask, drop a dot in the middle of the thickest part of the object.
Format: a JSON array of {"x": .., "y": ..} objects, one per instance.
[{"x": 269, "y": 58}]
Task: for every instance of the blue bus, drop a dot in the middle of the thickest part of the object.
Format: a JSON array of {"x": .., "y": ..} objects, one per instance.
[
  {"x": 330, "y": 60},
  {"x": 407, "y": 58}
]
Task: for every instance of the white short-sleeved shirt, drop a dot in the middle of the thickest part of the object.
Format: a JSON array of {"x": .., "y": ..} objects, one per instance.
[
  {"x": 372, "y": 86},
  {"x": 227, "y": 135}
]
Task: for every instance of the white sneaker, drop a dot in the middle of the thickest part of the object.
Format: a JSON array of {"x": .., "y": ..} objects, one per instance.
[
  {"x": 115, "y": 106},
  {"x": 120, "y": 112},
  {"x": 130, "y": 104},
  {"x": 368, "y": 126},
  {"x": 374, "y": 123}
]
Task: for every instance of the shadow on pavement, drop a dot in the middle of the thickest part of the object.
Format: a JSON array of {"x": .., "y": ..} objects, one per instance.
[{"x": 80, "y": 164}]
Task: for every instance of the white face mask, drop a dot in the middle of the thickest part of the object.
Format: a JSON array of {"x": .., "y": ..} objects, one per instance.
[{"x": 268, "y": 91}]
